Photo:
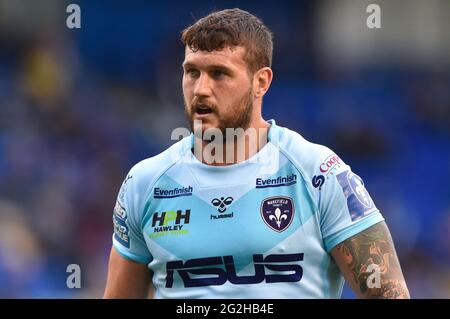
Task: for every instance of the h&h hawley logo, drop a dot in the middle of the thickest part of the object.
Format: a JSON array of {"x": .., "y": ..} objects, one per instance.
[{"x": 170, "y": 223}]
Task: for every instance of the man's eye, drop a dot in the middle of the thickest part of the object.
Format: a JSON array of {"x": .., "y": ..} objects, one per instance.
[
  {"x": 218, "y": 73},
  {"x": 192, "y": 72}
]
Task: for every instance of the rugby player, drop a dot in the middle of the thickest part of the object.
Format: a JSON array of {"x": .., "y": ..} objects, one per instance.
[{"x": 280, "y": 217}]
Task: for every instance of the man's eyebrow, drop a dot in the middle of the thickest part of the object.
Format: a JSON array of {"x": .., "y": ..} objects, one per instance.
[
  {"x": 209, "y": 67},
  {"x": 186, "y": 64}
]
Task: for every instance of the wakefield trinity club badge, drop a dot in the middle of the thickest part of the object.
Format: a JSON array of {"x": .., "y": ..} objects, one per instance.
[{"x": 277, "y": 212}]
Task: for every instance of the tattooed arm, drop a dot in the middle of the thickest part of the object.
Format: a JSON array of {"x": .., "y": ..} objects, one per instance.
[{"x": 362, "y": 257}]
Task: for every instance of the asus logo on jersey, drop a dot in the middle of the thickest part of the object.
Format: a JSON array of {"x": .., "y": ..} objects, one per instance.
[{"x": 225, "y": 270}]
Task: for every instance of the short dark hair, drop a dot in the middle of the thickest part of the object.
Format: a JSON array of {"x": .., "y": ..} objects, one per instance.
[{"x": 232, "y": 27}]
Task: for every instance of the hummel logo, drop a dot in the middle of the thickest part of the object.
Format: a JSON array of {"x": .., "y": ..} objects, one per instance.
[{"x": 222, "y": 203}]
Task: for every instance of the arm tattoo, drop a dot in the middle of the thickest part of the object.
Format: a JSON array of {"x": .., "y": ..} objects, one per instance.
[{"x": 366, "y": 253}]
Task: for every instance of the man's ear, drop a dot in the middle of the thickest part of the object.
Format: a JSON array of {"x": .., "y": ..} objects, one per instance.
[{"x": 261, "y": 81}]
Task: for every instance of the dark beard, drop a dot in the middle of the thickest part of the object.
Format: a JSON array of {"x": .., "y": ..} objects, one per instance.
[{"x": 240, "y": 119}]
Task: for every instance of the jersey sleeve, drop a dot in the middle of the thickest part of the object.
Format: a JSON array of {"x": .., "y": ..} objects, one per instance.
[
  {"x": 345, "y": 206},
  {"x": 128, "y": 238}
]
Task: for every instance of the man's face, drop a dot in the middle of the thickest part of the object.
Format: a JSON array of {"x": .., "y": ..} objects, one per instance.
[{"x": 217, "y": 88}]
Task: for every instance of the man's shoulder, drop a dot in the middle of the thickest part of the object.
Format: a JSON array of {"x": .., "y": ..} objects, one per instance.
[
  {"x": 308, "y": 156},
  {"x": 152, "y": 167}
]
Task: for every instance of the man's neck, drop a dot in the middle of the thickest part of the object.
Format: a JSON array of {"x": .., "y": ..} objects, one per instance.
[{"x": 233, "y": 149}]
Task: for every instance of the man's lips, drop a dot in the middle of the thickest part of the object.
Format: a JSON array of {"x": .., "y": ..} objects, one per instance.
[
  {"x": 203, "y": 110},
  {"x": 202, "y": 116}
]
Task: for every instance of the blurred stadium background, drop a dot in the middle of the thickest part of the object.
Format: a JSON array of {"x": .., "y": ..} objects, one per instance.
[{"x": 79, "y": 107}]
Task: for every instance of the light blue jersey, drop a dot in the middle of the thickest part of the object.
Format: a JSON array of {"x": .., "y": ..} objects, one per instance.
[{"x": 257, "y": 229}]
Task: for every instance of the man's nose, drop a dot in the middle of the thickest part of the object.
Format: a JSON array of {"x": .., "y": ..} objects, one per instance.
[{"x": 203, "y": 85}]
